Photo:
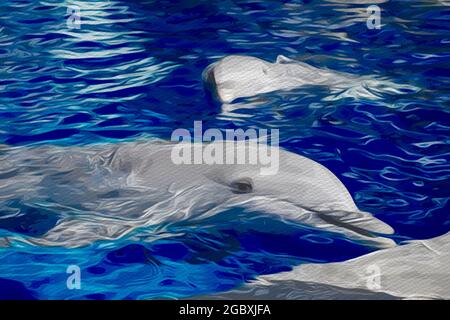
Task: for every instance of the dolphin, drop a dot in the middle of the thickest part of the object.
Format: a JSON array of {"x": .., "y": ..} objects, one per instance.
[
  {"x": 415, "y": 270},
  {"x": 105, "y": 191},
  {"x": 239, "y": 76}
]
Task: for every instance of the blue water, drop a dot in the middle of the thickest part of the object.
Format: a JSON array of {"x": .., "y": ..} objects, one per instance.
[{"x": 133, "y": 70}]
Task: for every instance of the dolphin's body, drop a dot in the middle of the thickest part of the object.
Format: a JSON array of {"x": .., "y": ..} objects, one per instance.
[
  {"x": 238, "y": 76},
  {"x": 105, "y": 191},
  {"x": 242, "y": 76},
  {"x": 417, "y": 270}
]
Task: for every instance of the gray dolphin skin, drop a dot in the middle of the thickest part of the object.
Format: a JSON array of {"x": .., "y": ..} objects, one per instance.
[
  {"x": 239, "y": 76},
  {"x": 105, "y": 191},
  {"x": 416, "y": 270}
]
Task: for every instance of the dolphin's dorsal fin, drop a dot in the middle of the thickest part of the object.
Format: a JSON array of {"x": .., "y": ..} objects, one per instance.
[{"x": 282, "y": 59}]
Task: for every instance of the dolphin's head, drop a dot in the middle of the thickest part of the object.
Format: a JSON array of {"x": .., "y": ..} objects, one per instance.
[
  {"x": 240, "y": 76},
  {"x": 299, "y": 190}
]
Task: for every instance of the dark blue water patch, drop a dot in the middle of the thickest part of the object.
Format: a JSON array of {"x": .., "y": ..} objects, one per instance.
[
  {"x": 41, "y": 79},
  {"x": 30, "y": 221},
  {"x": 41, "y": 8},
  {"x": 133, "y": 253},
  {"x": 51, "y": 135},
  {"x": 77, "y": 118},
  {"x": 296, "y": 244},
  {"x": 14, "y": 290},
  {"x": 441, "y": 71},
  {"x": 171, "y": 283},
  {"x": 38, "y": 21},
  {"x": 172, "y": 251},
  {"x": 95, "y": 296},
  {"x": 7, "y": 82},
  {"x": 96, "y": 270},
  {"x": 253, "y": 267},
  {"x": 112, "y": 108},
  {"x": 38, "y": 283}
]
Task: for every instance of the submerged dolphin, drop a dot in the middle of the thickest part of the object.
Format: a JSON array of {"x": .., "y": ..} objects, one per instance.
[
  {"x": 417, "y": 270},
  {"x": 106, "y": 191},
  {"x": 238, "y": 76}
]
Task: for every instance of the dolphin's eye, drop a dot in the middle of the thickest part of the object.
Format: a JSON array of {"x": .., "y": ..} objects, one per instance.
[
  {"x": 264, "y": 70},
  {"x": 242, "y": 186}
]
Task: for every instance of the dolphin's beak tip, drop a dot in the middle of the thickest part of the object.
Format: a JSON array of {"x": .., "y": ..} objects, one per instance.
[{"x": 385, "y": 243}]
